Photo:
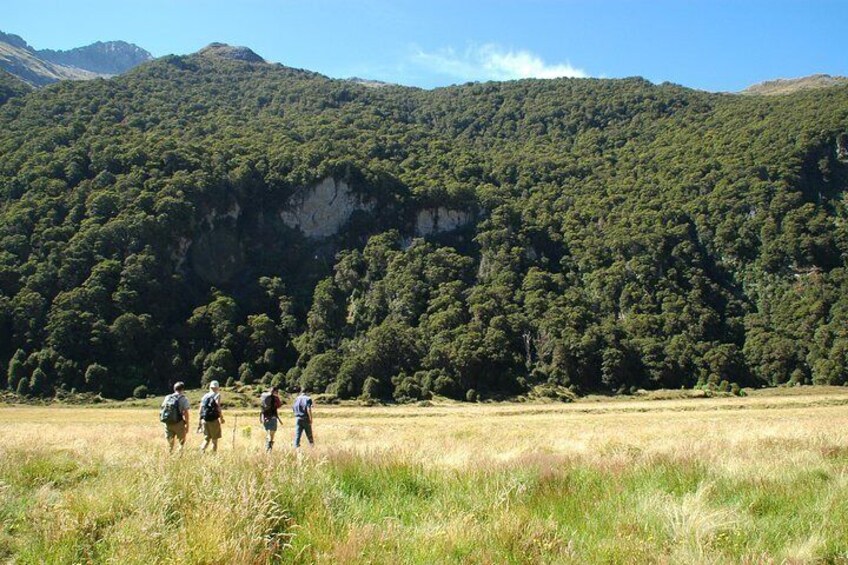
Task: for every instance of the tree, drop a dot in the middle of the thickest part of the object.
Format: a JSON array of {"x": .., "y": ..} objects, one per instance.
[{"x": 16, "y": 371}]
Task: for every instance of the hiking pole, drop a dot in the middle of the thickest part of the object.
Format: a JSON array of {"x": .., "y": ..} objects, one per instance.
[{"x": 235, "y": 425}]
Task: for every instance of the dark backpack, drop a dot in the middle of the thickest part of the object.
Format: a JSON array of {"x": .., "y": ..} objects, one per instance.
[
  {"x": 269, "y": 406},
  {"x": 209, "y": 410},
  {"x": 171, "y": 412}
]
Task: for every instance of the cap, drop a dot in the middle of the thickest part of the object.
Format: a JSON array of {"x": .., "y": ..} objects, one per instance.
[{"x": 213, "y": 384}]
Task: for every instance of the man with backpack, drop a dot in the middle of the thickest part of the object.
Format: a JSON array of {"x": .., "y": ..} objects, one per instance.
[
  {"x": 269, "y": 403},
  {"x": 211, "y": 417},
  {"x": 302, "y": 409},
  {"x": 174, "y": 416}
]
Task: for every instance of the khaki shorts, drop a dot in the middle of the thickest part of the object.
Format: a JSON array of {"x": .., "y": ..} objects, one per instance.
[
  {"x": 212, "y": 430},
  {"x": 176, "y": 430}
]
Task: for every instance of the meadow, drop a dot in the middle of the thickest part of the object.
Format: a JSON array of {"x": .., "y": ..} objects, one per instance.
[{"x": 757, "y": 479}]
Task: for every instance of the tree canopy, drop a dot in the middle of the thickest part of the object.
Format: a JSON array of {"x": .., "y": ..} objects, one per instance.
[{"x": 619, "y": 234}]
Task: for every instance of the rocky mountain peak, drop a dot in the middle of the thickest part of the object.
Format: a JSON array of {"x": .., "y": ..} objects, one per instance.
[
  {"x": 14, "y": 41},
  {"x": 107, "y": 58},
  {"x": 234, "y": 53},
  {"x": 44, "y": 66}
]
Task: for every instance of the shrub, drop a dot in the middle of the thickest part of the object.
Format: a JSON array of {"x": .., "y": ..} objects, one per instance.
[
  {"x": 95, "y": 376},
  {"x": 38, "y": 383},
  {"x": 246, "y": 374},
  {"x": 16, "y": 371},
  {"x": 371, "y": 389},
  {"x": 320, "y": 371},
  {"x": 445, "y": 386},
  {"x": 23, "y": 387},
  {"x": 140, "y": 391},
  {"x": 407, "y": 388},
  {"x": 213, "y": 373}
]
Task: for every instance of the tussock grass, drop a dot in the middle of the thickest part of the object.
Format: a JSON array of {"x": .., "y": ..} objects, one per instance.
[{"x": 479, "y": 484}]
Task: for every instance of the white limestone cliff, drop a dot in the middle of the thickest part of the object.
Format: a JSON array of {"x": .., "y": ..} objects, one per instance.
[
  {"x": 439, "y": 220},
  {"x": 320, "y": 211}
]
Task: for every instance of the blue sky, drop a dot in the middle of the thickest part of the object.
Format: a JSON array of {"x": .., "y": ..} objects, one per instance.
[{"x": 717, "y": 45}]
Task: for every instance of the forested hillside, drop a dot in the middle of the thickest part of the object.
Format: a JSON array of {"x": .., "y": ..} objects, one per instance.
[
  {"x": 11, "y": 86},
  {"x": 202, "y": 217}
]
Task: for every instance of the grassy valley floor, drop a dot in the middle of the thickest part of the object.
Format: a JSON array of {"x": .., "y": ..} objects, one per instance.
[{"x": 760, "y": 479}]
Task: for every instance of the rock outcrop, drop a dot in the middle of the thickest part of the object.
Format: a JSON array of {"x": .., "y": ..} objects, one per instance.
[
  {"x": 321, "y": 211},
  {"x": 234, "y": 53},
  {"x": 842, "y": 148},
  {"x": 432, "y": 221}
]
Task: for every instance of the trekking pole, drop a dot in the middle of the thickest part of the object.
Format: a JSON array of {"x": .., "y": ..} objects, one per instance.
[{"x": 235, "y": 425}]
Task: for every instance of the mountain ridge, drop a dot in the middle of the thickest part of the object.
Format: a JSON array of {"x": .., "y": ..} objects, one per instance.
[
  {"x": 781, "y": 86},
  {"x": 42, "y": 67},
  {"x": 105, "y": 58}
]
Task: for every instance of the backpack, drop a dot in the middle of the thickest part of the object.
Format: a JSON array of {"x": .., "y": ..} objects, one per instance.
[
  {"x": 171, "y": 412},
  {"x": 209, "y": 409},
  {"x": 269, "y": 406}
]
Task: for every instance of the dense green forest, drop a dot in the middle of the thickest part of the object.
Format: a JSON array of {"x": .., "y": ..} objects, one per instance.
[
  {"x": 608, "y": 235},
  {"x": 11, "y": 86}
]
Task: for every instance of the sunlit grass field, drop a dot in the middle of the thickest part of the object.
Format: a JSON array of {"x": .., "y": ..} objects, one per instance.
[{"x": 759, "y": 479}]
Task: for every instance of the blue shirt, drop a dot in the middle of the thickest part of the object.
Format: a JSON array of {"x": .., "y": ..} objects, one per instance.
[{"x": 301, "y": 407}]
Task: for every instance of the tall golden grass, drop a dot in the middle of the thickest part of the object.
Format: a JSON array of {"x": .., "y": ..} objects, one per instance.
[{"x": 762, "y": 479}]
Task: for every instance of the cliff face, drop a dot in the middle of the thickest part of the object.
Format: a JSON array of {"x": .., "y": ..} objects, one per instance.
[
  {"x": 432, "y": 221},
  {"x": 321, "y": 217},
  {"x": 320, "y": 211},
  {"x": 842, "y": 148}
]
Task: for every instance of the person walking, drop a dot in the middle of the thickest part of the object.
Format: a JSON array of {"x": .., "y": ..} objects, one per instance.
[
  {"x": 269, "y": 416},
  {"x": 174, "y": 416},
  {"x": 211, "y": 417},
  {"x": 302, "y": 409}
]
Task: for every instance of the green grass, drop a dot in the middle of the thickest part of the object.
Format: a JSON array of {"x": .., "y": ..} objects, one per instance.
[{"x": 58, "y": 507}]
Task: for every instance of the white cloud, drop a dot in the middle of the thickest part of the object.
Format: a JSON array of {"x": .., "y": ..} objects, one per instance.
[{"x": 491, "y": 62}]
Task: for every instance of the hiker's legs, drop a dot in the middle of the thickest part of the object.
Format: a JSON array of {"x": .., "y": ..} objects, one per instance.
[
  {"x": 270, "y": 429},
  {"x": 205, "y": 429},
  {"x": 169, "y": 437},
  {"x": 211, "y": 434},
  {"x": 175, "y": 431},
  {"x": 299, "y": 428}
]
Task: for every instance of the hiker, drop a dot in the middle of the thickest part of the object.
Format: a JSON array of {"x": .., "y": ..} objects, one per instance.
[
  {"x": 269, "y": 403},
  {"x": 211, "y": 417},
  {"x": 302, "y": 409},
  {"x": 174, "y": 415}
]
